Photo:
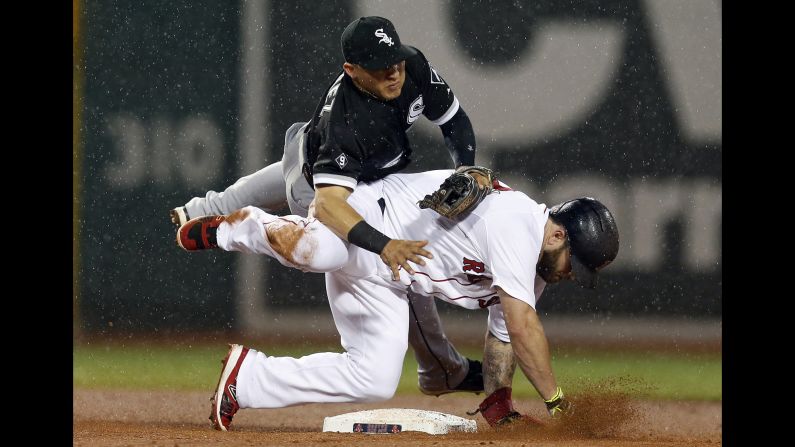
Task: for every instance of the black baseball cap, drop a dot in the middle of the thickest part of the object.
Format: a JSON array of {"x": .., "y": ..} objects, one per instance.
[
  {"x": 593, "y": 237},
  {"x": 373, "y": 43}
]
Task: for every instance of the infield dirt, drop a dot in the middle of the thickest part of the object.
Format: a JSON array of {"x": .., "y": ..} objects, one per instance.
[{"x": 176, "y": 418}]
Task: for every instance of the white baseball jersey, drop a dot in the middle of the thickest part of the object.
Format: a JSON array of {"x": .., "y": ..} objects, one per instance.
[{"x": 496, "y": 244}]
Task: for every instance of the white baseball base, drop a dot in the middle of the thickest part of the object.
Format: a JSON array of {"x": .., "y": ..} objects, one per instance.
[{"x": 396, "y": 420}]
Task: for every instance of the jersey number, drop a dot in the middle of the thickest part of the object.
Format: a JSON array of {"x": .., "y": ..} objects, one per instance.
[
  {"x": 484, "y": 304},
  {"x": 473, "y": 265}
]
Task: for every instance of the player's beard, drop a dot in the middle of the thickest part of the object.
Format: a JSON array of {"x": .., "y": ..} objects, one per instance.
[{"x": 547, "y": 265}]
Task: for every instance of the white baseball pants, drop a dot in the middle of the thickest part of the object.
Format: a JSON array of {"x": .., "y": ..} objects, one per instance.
[
  {"x": 371, "y": 316},
  {"x": 440, "y": 366}
]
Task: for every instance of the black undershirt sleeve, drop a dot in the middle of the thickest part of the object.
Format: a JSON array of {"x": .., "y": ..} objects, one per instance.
[{"x": 460, "y": 139}]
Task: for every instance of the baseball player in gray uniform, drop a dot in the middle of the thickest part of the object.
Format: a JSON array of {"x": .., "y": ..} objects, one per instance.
[
  {"x": 499, "y": 256},
  {"x": 357, "y": 134}
]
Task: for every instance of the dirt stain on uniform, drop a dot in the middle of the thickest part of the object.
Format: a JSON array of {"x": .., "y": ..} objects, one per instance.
[
  {"x": 284, "y": 236},
  {"x": 237, "y": 216}
]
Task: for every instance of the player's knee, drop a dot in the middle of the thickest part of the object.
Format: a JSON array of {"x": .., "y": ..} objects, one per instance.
[
  {"x": 380, "y": 386},
  {"x": 331, "y": 253},
  {"x": 378, "y": 380},
  {"x": 306, "y": 244},
  {"x": 379, "y": 392}
]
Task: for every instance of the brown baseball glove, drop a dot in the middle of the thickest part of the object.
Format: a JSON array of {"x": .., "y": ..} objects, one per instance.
[{"x": 460, "y": 192}]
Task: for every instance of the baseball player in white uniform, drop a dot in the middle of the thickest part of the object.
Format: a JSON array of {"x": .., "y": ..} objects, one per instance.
[
  {"x": 357, "y": 133},
  {"x": 499, "y": 257}
]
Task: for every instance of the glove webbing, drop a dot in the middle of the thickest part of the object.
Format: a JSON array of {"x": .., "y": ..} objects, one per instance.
[{"x": 447, "y": 200}]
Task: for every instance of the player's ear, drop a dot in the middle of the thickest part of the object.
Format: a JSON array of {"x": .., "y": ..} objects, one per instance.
[
  {"x": 349, "y": 68},
  {"x": 557, "y": 238}
]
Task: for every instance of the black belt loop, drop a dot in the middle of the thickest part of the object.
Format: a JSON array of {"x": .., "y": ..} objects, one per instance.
[{"x": 382, "y": 204}]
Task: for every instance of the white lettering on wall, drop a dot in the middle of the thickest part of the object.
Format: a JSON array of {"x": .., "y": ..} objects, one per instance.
[
  {"x": 190, "y": 151},
  {"x": 561, "y": 78},
  {"x": 128, "y": 136},
  {"x": 688, "y": 37},
  {"x": 200, "y": 150},
  {"x": 162, "y": 151},
  {"x": 643, "y": 209},
  {"x": 703, "y": 231},
  {"x": 655, "y": 203},
  {"x": 568, "y": 69}
]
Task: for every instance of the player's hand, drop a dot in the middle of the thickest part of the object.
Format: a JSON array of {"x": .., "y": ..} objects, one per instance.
[
  {"x": 557, "y": 405},
  {"x": 398, "y": 252}
]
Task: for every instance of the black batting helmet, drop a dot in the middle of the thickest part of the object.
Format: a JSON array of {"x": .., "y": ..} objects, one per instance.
[{"x": 593, "y": 236}]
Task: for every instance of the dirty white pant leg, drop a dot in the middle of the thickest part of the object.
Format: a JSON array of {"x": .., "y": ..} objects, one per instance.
[
  {"x": 372, "y": 320},
  {"x": 304, "y": 243}
]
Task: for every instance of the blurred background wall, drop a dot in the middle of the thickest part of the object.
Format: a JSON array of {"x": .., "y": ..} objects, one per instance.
[{"x": 620, "y": 100}]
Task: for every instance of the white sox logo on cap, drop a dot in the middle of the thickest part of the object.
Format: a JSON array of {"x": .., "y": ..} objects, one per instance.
[{"x": 384, "y": 38}]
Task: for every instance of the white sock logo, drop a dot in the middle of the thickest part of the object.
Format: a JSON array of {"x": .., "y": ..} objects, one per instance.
[{"x": 384, "y": 38}]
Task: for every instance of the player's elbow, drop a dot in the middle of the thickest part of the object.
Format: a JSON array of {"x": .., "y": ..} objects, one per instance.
[
  {"x": 526, "y": 331},
  {"x": 522, "y": 328}
]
